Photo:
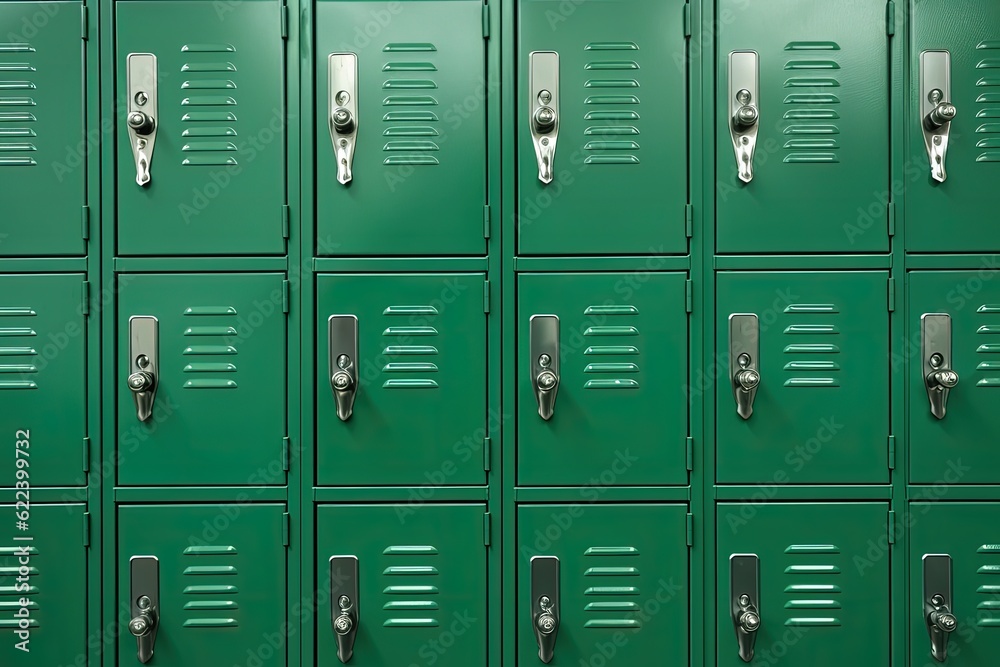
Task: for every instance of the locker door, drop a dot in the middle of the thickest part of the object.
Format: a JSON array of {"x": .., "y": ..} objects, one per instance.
[
  {"x": 214, "y": 144},
  {"x": 964, "y": 307},
  {"x": 415, "y": 411},
  {"x": 618, "y": 140},
  {"x": 818, "y": 341},
  {"x": 965, "y": 533},
  {"x": 216, "y": 586},
  {"x": 213, "y": 409},
  {"x": 823, "y": 583},
  {"x": 42, "y": 141},
  {"x": 43, "y": 360},
  {"x": 622, "y": 584},
  {"x": 413, "y": 77},
  {"x": 43, "y": 613},
  {"x": 955, "y": 215},
  {"x": 817, "y": 74},
  {"x": 420, "y": 583},
  {"x": 617, "y": 414}
]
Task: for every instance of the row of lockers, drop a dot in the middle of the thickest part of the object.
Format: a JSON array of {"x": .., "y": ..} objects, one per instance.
[
  {"x": 801, "y": 373},
  {"x": 401, "y": 104}
]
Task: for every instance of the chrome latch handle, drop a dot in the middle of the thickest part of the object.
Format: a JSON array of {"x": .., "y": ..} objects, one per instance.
[
  {"x": 937, "y": 594},
  {"x": 744, "y": 360},
  {"x": 343, "y": 82},
  {"x": 143, "y": 363},
  {"x": 344, "y": 603},
  {"x": 142, "y": 112},
  {"x": 545, "y": 604},
  {"x": 936, "y": 111},
  {"x": 744, "y": 596},
  {"x": 935, "y": 350},
  {"x": 543, "y": 89},
  {"x": 745, "y": 115},
  {"x": 145, "y": 603},
  {"x": 544, "y": 351},
  {"x": 342, "y": 342}
]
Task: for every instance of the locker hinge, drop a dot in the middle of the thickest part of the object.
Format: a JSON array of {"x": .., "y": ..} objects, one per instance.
[
  {"x": 84, "y": 22},
  {"x": 486, "y": 21},
  {"x": 892, "y": 452},
  {"x": 689, "y": 220},
  {"x": 486, "y": 221},
  {"x": 890, "y": 18},
  {"x": 690, "y": 529},
  {"x": 286, "y": 453},
  {"x": 286, "y": 529},
  {"x": 86, "y": 455},
  {"x": 891, "y": 526},
  {"x": 892, "y": 294},
  {"x": 86, "y": 297},
  {"x": 690, "y": 452},
  {"x": 687, "y": 20},
  {"x": 688, "y": 296},
  {"x": 85, "y": 222},
  {"x": 486, "y": 296},
  {"x": 487, "y": 453},
  {"x": 487, "y": 529},
  {"x": 891, "y": 210},
  {"x": 284, "y": 22},
  {"x": 286, "y": 289},
  {"x": 86, "y": 529},
  {"x": 285, "y": 214}
]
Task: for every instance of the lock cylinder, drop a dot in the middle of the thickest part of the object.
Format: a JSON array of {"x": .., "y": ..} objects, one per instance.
[{"x": 141, "y": 122}]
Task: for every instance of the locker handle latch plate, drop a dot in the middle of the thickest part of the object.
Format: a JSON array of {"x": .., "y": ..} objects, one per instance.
[
  {"x": 744, "y": 103},
  {"x": 744, "y": 601},
  {"x": 343, "y": 83},
  {"x": 543, "y": 88},
  {"x": 941, "y": 622},
  {"x": 545, "y": 604},
  {"x": 744, "y": 360},
  {"x": 544, "y": 351},
  {"x": 935, "y": 352},
  {"x": 936, "y": 109},
  {"x": 142, "y": 117},
  {"x": 344, "y": 603},
  {"x": 144, "y": 589},
  {"x": 342, "y": 331},
  {"x": 143, "y": 351}
]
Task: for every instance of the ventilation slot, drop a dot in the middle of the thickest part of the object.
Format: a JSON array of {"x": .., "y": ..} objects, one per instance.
[
  {"x": 211, "y": 604},
  {"x": 613, "y": 578},
  {"x": 812, "y": 603},
  {"x": 209, "y": 83},
  {"x": 215, "y": 337},
  {"x": 407, "y": 604},
  {"x": 17, "y": 135}
]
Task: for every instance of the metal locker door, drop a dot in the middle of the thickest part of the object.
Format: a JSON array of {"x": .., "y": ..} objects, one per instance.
[
  {"x": 802, "y": 129},
  {"x": 201, "y": 130}
]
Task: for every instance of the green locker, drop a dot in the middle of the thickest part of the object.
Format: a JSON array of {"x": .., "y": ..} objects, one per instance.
[
  {"x": 43, "y": 586},
  {"x": 609, "y": 582},
  {"x": 201, "y": 129},
  {"x": 963, "y": 535},
  {"x": 404, "y": 170},
  {"x": 201, "y": 379},
  {"x": 601, "y": 120},
  {"x": 802, "y": 381},
  {"x": 954, "y": 49},
  {"x": 43, "y": 145},
  {"x": 956, "y": 315},
  {"x": 205, "y": 587},
  {"x": 607, "y": 405},
  {"x": 415, "y": 583},
  {"x": 43, "y": 388},
  {"x": 802, "y": 138},
  {"x": 412, "y": 350},
  {"x": 804, "y": 583}
]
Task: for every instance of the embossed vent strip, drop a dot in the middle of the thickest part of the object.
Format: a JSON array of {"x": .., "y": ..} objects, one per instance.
[
  {"x": 12, "y": 95},
  {"x": 200, "y": 145},
  {"x": 990, "y": 142}
]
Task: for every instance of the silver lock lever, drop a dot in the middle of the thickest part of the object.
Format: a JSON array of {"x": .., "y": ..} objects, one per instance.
[
  {"x": 544, "y": 351},
  {"x": 343, "y": 348},
  {"x": 543, "y": 90},
  {"x": 142, "y": 117},
  {"x": 344, "y": 603},
  {"x": 938, "y": 615},
  {"x": 343, "y": 83},
  {"x": 935, "y": 350},
  {"x": 744, "y": 353},
  {"x": 143, "y": 363},
  {"x": 545, "y": 604},
  {"x": 744, "y": 601},
  {"x": 144, "y": 589},
  {"x": 744, "y": 112},
  {"x": 936, "y": 109}
]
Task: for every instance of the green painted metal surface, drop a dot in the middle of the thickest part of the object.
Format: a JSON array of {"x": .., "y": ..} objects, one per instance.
[
  {"x": 620, "y": 412},
  {"x": 421, "y": 129},
  {"x": 619, "y": 172},
  {"x": 824, "y": 589},
  {"x": 623, "y": 591},
  {"x": 821, "y": 413},
  {"x": 420, "y": 412},
  {"x": 422, "y": 583},
  {"x": 218, "y": 164}
]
